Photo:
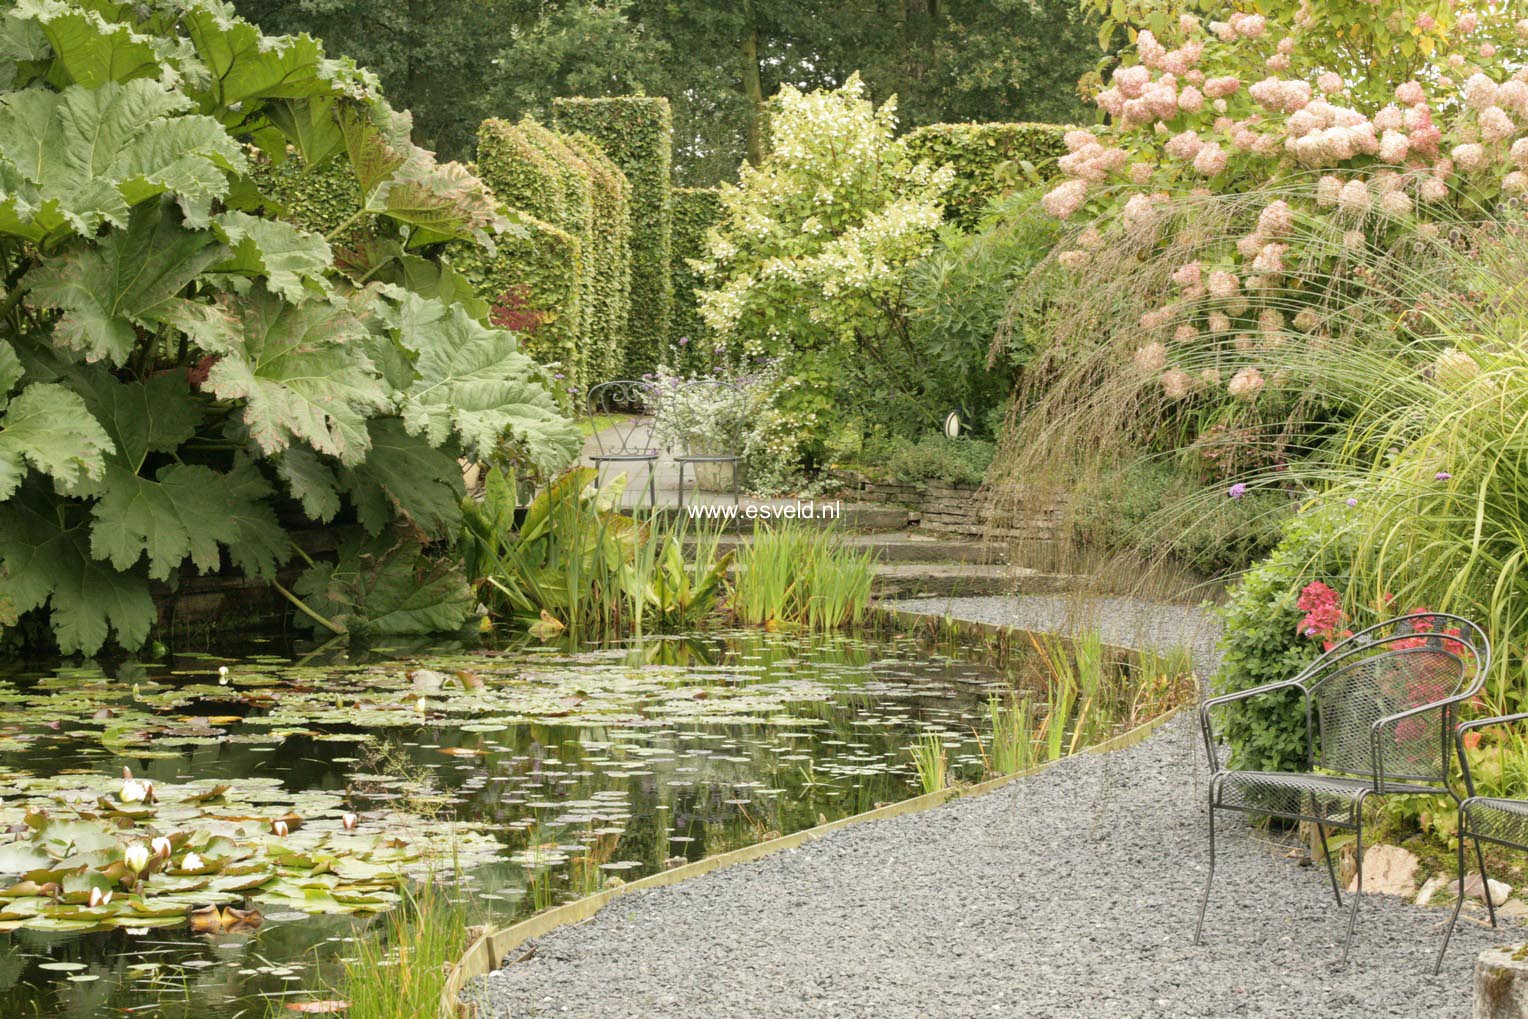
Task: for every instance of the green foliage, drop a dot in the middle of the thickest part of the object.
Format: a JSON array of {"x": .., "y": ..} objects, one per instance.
[
  {"x": 696, "y": 211},
  {"x": 936, "y": 458},
  {"x": 989, "y": 160},
  {"x": 636, "y": 133},
  {"x": 818, "y": 284},
  {"x": 403, "y": 972},
  {"x": 575, "y": 563},
  {"x": 792, "y": 575},
  {"x": 1262, "y": 642},
  {"x": 571, "y": 185},
  {"x": 384, "y": 584},
  {"x": 1152, "y": 506},
  {"x": 174, "y": 362}
]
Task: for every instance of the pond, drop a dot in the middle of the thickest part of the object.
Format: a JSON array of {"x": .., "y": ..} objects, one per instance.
[{"x": 295, "y": 787}]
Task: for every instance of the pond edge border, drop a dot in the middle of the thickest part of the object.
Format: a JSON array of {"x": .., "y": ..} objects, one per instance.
[{"x": 487, "y": 951}]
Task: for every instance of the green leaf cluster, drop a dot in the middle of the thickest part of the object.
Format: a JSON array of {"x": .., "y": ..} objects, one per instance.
[{"x": 185, "y": 377}]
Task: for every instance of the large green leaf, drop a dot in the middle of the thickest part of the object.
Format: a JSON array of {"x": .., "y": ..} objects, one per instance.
[
  {"x": 49, "y": 427},
  {"x": 89, "y": 49},
  {"x": 402, "y": 181},
  {"x": 310, "y": 481},
  {"x": 83, "y": 157},
  {"x": 132, "y": 279},
  {"x": 182, "y": 511},
  {"x": 45, "y": 560},
  {"x": 384, "y": 585},
  {"x": 155, "y": 416},
  {"x": 405, "y": 476},
  {"x": 303, "y": 373},
  {"x": 474, "y": 381},
  {"x": 293, "y": 261},
  {"x": 309, "y": 125},
  {"x": 248, "y": 66},
  {"x": 10, "y": 371},
  {"x": 261, "y": 543}
]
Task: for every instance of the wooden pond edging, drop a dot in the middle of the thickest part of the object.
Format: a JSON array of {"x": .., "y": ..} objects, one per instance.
[{"x": 488, "y": 951}]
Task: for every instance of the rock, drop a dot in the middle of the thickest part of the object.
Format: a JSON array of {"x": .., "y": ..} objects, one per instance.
[
  {"x": 1432, "y": 886},
  {"x": 1514, "y": 910},
  {"x": 1501, "y": 983},
  {"x": 1499, "y": 891},
  {"x": 1389, "y": 870}
]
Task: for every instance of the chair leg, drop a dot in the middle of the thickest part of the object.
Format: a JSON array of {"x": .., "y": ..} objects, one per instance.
[
  {"x": 1485, "y": 885},
  {"x": 1204, "y": 898},
  {"x": 1458, "y": 900},
  {"x": 652, "y": 485},
  {"x": 1331, "y": 870},
  {"x": 1358, "y": 855},
  {"x": 680, "y": 465},
  {"x": 737, "y": 499}
]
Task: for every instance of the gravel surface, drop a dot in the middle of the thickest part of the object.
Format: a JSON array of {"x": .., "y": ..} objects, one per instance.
[
  {"x": 1070, "y": 893},
  {"x": 1128, "y": 621}
]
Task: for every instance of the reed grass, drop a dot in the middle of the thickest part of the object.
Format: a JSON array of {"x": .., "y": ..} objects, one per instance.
[
  {"x": 931, "y": 762},
  {"x": 793, "y": 576}
]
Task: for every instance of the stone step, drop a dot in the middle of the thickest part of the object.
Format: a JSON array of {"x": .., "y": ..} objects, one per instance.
[
  {"x": 858, "y": 517},
  {"x": 906, "y": 547},
  {"x": 935, "y": 580}
]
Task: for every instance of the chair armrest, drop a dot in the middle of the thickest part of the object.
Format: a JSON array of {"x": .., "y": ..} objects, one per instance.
[
  {"x": 1207, "y": 727},
  {"x": 1472, "y": 724},
  {"x": 1393, "y": 722}
]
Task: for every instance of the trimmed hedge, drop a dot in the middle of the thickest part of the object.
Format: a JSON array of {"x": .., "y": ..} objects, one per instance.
[
  {"x": 983, "y": 156},
  {"x": 319, "y": 198},
  {"x": 609, "y": 258},
  {"x": 696, "y": 211},
  {"x": 636, "y": 132}
]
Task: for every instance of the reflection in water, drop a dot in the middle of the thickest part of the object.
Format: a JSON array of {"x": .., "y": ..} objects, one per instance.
[{"x": 590, "y": 767}]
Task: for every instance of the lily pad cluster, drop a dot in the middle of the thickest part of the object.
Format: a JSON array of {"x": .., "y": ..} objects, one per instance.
[{"x": 80, "y": 857}]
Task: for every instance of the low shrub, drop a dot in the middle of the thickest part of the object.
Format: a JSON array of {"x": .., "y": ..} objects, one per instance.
[
  {"x": 1262, "y": 642},
  {"x": 936, "y": 458}
]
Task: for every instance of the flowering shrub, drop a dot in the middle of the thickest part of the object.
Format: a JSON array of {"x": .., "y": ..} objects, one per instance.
[
  {"x": 1438, "y": 123},
  {"x": 808, "y": 262},
  {"x": 1323, "y": 615}
]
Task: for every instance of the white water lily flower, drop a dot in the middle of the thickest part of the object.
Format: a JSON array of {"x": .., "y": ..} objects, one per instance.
[
  {"x": 99, "y": 899},
  {"x": 136, "y": 857},
  {"x": 134, "y": 791},
  {"x": 280, "y": 828},
  {"x": 348, "y": 820},
  {"x": 160, "y": 844},
  {"x": 192, "y": 862}
]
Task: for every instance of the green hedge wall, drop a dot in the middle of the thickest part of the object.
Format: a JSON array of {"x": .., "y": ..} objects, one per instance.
[
  {"x": 983, "y": 156},
  {"x": 319, "y": 198},
  {"x": 696, "y": 210},
  {"x": 636, "y": 132},
  {"x": 610, "y": 255},
  {"x": 519, "y": 172}
]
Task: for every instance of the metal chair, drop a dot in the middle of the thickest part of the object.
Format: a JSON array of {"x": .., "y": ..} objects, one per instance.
[
  {"x": 708, "y": 416},
  {"x": 1483, "y": 819},
  {"x": 1380, "y": 708},
  {"x": 629, "y": 405}
]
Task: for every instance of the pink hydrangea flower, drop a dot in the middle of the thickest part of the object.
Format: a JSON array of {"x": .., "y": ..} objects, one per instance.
[
  {"x": 1329, "y": 82},
  {"x": 1190, "y": 100},
  {"x": 1393, "y": 147},
  {"x": 1210, "y": 160},
  {"x": 1433, "y": 190},
  {"x": 1396, "y": 203},
  {"x": 1410, "y": 93},
  {"x": 1479, "y": 91},
  {"x": 1495, "y": 125},
  {"x": 1176, "y": 384},
  {"x": 1246, "y": 383},
  {"x": 1223, "y": 284},
  {"x": 1188, "y": 275},
  {"x": 1151, "y": 358},
  {"x": 1218, "y": 88},
  {"x": 1276, "y": 220},
  {"x": 1469, "y": 156},
  {"x": 1354, "y": 197},
  {"x": 1064, "y": 200}
]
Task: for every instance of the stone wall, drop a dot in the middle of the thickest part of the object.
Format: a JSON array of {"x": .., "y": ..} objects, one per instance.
[{"x": 956, "y": 510}]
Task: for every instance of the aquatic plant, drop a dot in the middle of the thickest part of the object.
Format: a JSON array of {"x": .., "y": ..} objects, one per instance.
[
  {"x": 791, "y": 575},
  {"x": 932, "y": 762},
  {"x": 1010, "y": 745}
]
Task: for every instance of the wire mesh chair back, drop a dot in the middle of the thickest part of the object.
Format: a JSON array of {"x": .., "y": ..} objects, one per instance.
[
  {"x": 1384, "y": 671},
  {"x": 706, "y": 419},
  {"x": 622, "y": 413}
]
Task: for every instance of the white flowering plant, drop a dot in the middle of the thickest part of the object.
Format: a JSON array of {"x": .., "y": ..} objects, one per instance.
[
  {"x": 808, "y": 263},
  {"x": 1406, "y": 117}
]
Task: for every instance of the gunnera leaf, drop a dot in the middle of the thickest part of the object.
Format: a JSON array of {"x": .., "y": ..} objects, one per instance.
[
  {"x": 293, "y": 261},
  {"x": 384, "y": 585},
  {"x": 88, "y": 48},
  {"x": 83, "y": 157},
  {"x": 48, "y": 427},
  {"x": 405, "y": 476},
  {"x": 45, "y": 559}
]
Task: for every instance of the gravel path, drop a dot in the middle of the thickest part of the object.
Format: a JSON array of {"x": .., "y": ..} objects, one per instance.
[
  {"x": 1128, "y": 621},
  {"x": 1071, "y": 893}
]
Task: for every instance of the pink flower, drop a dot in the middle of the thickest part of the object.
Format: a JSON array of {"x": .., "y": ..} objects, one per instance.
[
  {"x": 1190, "y": 100},
  {"x": 1469, "y": 157},
  {"x": 1393, "y": 147},
  {"x": 1486, "y": 51},
  {"x": 1217, "y": 88},
  {"x": 1175, "y": 384},
  {"x": 1223, "y": 284},
  {"x": 1389, "y": 119},
  {"x": 1270, "y": 259},
  {"x": 1479, "y": 91},
  {"x": 1185, "y": 333},
  {"x": 1064, "y": 200},
  {"x": 1433, "y": 190},
  {"x": 1210, "y": 160},
  {"x": 1396, "y": 203},
  {"x": 1188, "y": 275},
  {"x": 1078, "y": 139},
  {"x": 1271, "y": 320},
  {"x": 1246, "y": 384},
  {"x": 1185, "y": 145},
  {"x": 1276, "y": 220},
  {"x": 1495, "y": 125},
  {"x": 1131, "y": 81},
  {"x": 1329, "y": 82},
  {"x": 1410, "y": 93},
  {"x": 1140, "y": 173},
  {"x": 1515, "y": 183},
  {"x": 1354, "y": 240},
  {"x": 1467, "y": 22},
  {"x": 1354, "y": 197},
  {"x": 1219, "y": 322},
  {"x": 1426, "y": 22},
  {"x": 1327, "y": 190},
  {"x": 1151, "y": 358}
]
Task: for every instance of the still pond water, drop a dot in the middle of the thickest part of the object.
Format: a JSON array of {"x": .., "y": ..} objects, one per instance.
[{"x": 547, "y": 773}]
